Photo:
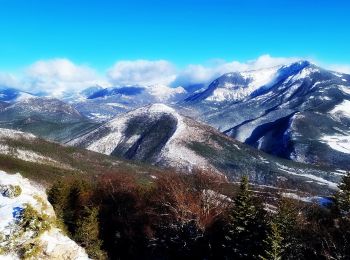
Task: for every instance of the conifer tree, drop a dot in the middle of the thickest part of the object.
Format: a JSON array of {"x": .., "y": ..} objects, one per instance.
[
  {"x": 273, "y": 243},
  {"x": 247, "y": 229},
  {"x": 287, "y": 222},
  {"x": 342, "y": 198},
  {"x": 87, "y": 233}
]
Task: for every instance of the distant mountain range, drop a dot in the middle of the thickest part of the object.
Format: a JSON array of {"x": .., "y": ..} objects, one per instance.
[
  {"x": 299, "y": 112},
  {"x": 105, "y": 103}
]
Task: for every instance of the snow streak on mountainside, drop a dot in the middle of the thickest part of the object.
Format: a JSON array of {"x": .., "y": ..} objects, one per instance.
[
  {"x": 39, "y": 239},
  {"x": 297, "y": 111},
  {"x": 8, "y": 138}
]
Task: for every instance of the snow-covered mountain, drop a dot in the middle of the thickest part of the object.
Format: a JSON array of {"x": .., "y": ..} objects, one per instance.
[
  {"x": 12, "y": 95},
  {"x": 47, "y": 117},
  {"x": 161, "y": 136},
  {"x": 21, "y": 201},
  {"x": 105, "y": 103},
  {"x": 297, "y": 111}
]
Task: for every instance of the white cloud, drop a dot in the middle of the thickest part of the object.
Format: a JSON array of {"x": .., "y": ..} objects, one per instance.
[
  {"x": 340, "y": 68},
  {"x": 142, "y": 72},
  {"x": 8, "y": 80},
  {"x": 57, "y": 76},
  {"x": 194, "y": 74}
]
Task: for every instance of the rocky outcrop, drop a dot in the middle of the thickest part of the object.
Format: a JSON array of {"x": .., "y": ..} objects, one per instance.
[{"x": 28, "y": 223}]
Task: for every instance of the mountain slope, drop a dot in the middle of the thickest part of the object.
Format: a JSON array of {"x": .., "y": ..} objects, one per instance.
[
  {"x": 8, "y": 94},
  {"x": 46, "y": 117},
  {"x": 297, "y": 111},
  {"x": 159, "y": 135},
  {"x": 45, "y": 162}
]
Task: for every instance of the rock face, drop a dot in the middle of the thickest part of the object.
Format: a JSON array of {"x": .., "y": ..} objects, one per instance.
[
  {"x": 297, "y": 111},
  {"x": 27, "y": 223}
]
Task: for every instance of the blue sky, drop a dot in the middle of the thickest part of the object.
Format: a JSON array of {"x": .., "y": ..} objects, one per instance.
[
  {"x": 66, "y": 45},
  {"x": 100, "y": 32}
]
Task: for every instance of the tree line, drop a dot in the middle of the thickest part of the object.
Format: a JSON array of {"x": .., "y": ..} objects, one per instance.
[{"x": 198, "y": 216}]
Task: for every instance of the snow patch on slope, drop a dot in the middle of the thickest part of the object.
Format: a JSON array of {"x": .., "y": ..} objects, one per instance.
[
  {"x": 339, "y": 143},
  {"x": 25, "y": 155},
  {"x": 342, "y": 109},
  {"x": 308, "y": 176},
  {"x": 14, "y": 134},
  {"x": 175, "y": 152},
  {"x": 345, "y": 89}
]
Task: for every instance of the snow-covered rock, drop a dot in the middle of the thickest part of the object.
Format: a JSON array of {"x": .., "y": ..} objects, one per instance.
[{"x": 44, "y": 237}]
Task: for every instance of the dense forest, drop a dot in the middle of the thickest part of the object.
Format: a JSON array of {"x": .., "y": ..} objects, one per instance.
[{"x": 198, "y": 216}]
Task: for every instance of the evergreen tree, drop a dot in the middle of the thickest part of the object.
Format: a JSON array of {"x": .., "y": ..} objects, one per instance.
[
  {"x": 247, "y": 225},
  {"x": 87, "y": 233},
  {"x": 58, "y": 197},
  {"x": 342, "y": 198},
  {"x": 273, "y": 244},
  {"x": 286, "y": 221}
]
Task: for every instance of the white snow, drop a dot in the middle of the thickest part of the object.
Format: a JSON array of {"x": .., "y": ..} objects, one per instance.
[
  {"x": 99, "y": 116},
  {"x": 344, "y": 89},
  {"x": 8, "y": 204},
  {"x": 53, "y": 242},
  {"x": 25, "y": 155},
  {"x": 256, "y": 78},
  {"x": 14, "y": 134},
  {"x": 325, "y": 98},
  {"x": 163, "y": 93},
  {"x": 309, "y": 176},
  {"x": 23, "y": 96},
  {"x": 342, "y": 109},
  {"x": 119, "y": 105},
  {"x": 19, "y": 153},
  {"x": 300, "y": 198},
  {"x": 260, "y": 77},
  {"x": 338, "y": 142},
  {"x": 304, "y": 73}
]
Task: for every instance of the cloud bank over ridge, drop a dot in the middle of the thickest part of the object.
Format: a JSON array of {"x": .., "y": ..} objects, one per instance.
[{"x": 59, "y": 76}]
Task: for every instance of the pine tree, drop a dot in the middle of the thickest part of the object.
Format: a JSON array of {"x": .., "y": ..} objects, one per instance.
[
  {"x": 342, "y": 198},
  {"x": 273, "y": 243},
  {"x": 87, "y": 233},
  {"x": 247, "y": 228},
  {"x": 58, "y": 197},
  {"x": 342, "y": 218}
]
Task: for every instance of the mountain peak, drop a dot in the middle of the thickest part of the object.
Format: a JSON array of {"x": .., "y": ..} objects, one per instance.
[{"x": 160, "y": 108}]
